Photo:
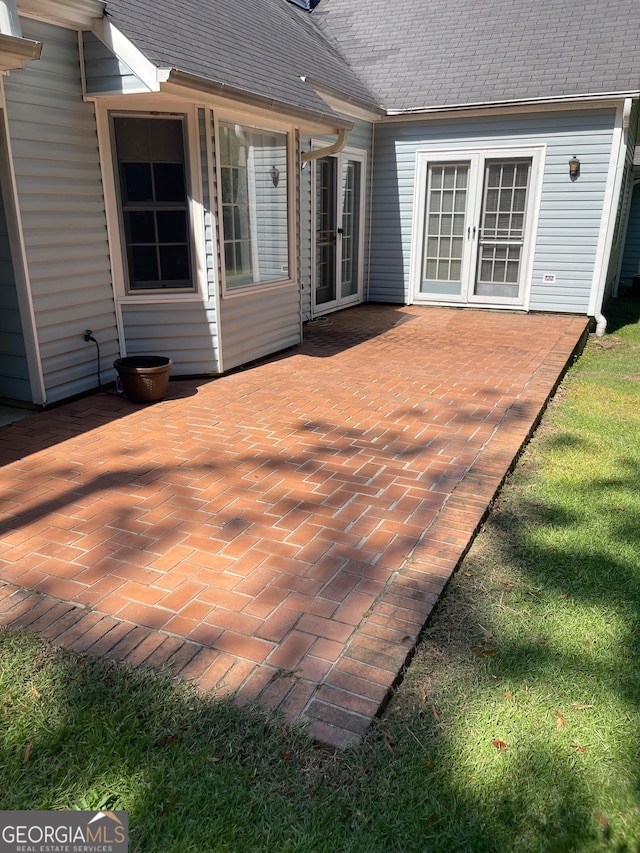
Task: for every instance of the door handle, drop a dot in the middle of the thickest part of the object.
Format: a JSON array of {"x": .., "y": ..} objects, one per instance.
[
  {"x": 469, "y": 234},
  {"x": 340, "y": 231}
]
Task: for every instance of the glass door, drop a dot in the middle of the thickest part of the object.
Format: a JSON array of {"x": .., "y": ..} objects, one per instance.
[
  {"x": 501, "y": 231},
  {"x": 474, "y": 217},
  {"x": 338, "y": 231}
]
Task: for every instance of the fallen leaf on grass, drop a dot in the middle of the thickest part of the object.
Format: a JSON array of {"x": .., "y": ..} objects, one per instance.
[
  {"x": 27, "y": 751},
  {"x": 430, "y": 819},
  {"x": 427, "y": 763},
  {"x": 578, "y": 747},
  {"x": 508, "y": 694},
  {"x": 487, "y": 653},
  {"x": 435, "y": 713},
  {"x": 36, "y": 694},
  {"x": 214, "y": 759},
  {"x": 500, "y": 745},
  {"x": 167, "y": 739},
  {"x": 602, "y": 819},
  {"x": 508, "y": 584},
  {"x": 581, "y": 707},
  {"x": 387, "y": 742},
  {"x": 169, "y": 805},
  {"x": 561, "y": 721},
  {"x": 565, "y": 595},
  {"x": 287, "y": 755}
]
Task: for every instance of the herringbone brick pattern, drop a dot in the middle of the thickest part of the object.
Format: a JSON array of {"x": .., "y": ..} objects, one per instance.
[{"x": 282, "y": 532}]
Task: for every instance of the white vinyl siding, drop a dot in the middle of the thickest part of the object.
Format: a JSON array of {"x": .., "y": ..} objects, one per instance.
[
  {"x": 569, "y": 214},
  {"x": 55, "y": 158},
  {"x": 104, "y": 72}
]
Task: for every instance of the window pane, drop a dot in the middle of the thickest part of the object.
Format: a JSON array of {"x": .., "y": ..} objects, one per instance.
[
  {"x": 136, "y": 182},
  {"x": 172, "y": 226},
  {"x": 174, "y": 263},
  {"x": 140, "y": 227},
  {"x": 143, "y": 264},
  {"x": 254, "y": 195},
  {"x": 168, "y": 179}
]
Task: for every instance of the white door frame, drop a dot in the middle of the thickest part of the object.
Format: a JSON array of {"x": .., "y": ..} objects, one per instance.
[
  {"x": 340, "y": 301},
  {"x": 476, "y": 159}
]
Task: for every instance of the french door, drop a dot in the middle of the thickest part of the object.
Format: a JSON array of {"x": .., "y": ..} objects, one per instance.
[
  {"x": 473, "y": 226},
  {"x": 338, "y": 237}
]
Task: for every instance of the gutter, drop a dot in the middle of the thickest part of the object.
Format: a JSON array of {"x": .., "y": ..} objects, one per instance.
[
  {"x": 561, "y": 99},
  {"x": 336, "y": 148}
]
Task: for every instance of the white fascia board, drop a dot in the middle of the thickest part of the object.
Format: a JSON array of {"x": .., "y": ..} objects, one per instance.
[
  {"x": 343, "y": 104},
  {"x": 77, "y": 14},
  {"x": 124, "y": 49},
  {"x": 506, "y": 107}
]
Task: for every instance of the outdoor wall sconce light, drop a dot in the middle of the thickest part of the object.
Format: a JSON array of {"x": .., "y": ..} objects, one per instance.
[
  {"x": 275, "y": 175},
  {"x": 574, "y": 167}
]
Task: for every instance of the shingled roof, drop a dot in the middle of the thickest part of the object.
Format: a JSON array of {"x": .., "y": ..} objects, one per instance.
[
  {"x": 442, "y": 53},
  {"x": 262, "y": 47}
]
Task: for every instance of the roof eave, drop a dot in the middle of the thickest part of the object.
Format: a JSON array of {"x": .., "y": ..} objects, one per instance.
[
  {"x": 192, "y": 82},
  {"x": 16, "y": 52},
  {"x": 515, "y": 103}
]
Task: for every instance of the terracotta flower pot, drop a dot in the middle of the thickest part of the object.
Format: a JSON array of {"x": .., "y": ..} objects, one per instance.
[{"x": 144, "y": 378}]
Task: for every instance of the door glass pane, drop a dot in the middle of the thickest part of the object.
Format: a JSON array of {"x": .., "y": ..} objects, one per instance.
[
  {"x": 502, "y": 224},
  {"x": 444, "y": 228},
  {"x": 326, "y": 229},
  {"x": 351, "y": 184}
]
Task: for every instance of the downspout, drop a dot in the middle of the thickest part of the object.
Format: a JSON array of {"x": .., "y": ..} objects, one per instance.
[
  {"x": 336, "y": 148},
  {"x": 601, "y": 320}
]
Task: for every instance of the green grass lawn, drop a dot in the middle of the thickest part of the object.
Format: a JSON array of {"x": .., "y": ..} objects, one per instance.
[{"x": 516, "y": 728}]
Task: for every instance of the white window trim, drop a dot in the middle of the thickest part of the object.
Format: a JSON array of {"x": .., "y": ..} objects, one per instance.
[
  {"x": 476, "y": 155},
  {"x": 119, "y": 273},
  {"x": 239, "y": 291}
]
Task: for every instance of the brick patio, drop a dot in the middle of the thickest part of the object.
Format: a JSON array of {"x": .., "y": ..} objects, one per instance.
[{"x": 283, "y": 532}]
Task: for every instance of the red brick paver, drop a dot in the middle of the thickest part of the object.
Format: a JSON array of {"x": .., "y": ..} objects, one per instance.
[{"x": 283, "y": 532}]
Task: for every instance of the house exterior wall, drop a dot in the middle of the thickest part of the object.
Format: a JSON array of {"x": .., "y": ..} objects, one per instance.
[
  {"x": 570, "y": 213},
  {"x": 627, "y": 231},
  {"x": 360, "y": 139},
  {"x": 185, "y": 331},
  {"x": 631, "y": 256},
  {"x": 104, "y": 72},
  {"x": 54, "y": 152},
  {"x": 14, "y": 369}
]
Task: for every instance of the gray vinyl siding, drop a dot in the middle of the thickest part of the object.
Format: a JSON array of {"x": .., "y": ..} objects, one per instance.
[
  {"x": 615, "y": 275},
  {"x": 186, "y": 332},
  {"x": 104, "y": 72},
  {"x": 14, "y": 371},
  {"x": 631, "y": 257},
  {"x": 259, "y": 323},
  {"x": 55, "y": 157},
  {"x": 361, "y": 138},
  {"x": 570, "y": 212}
]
